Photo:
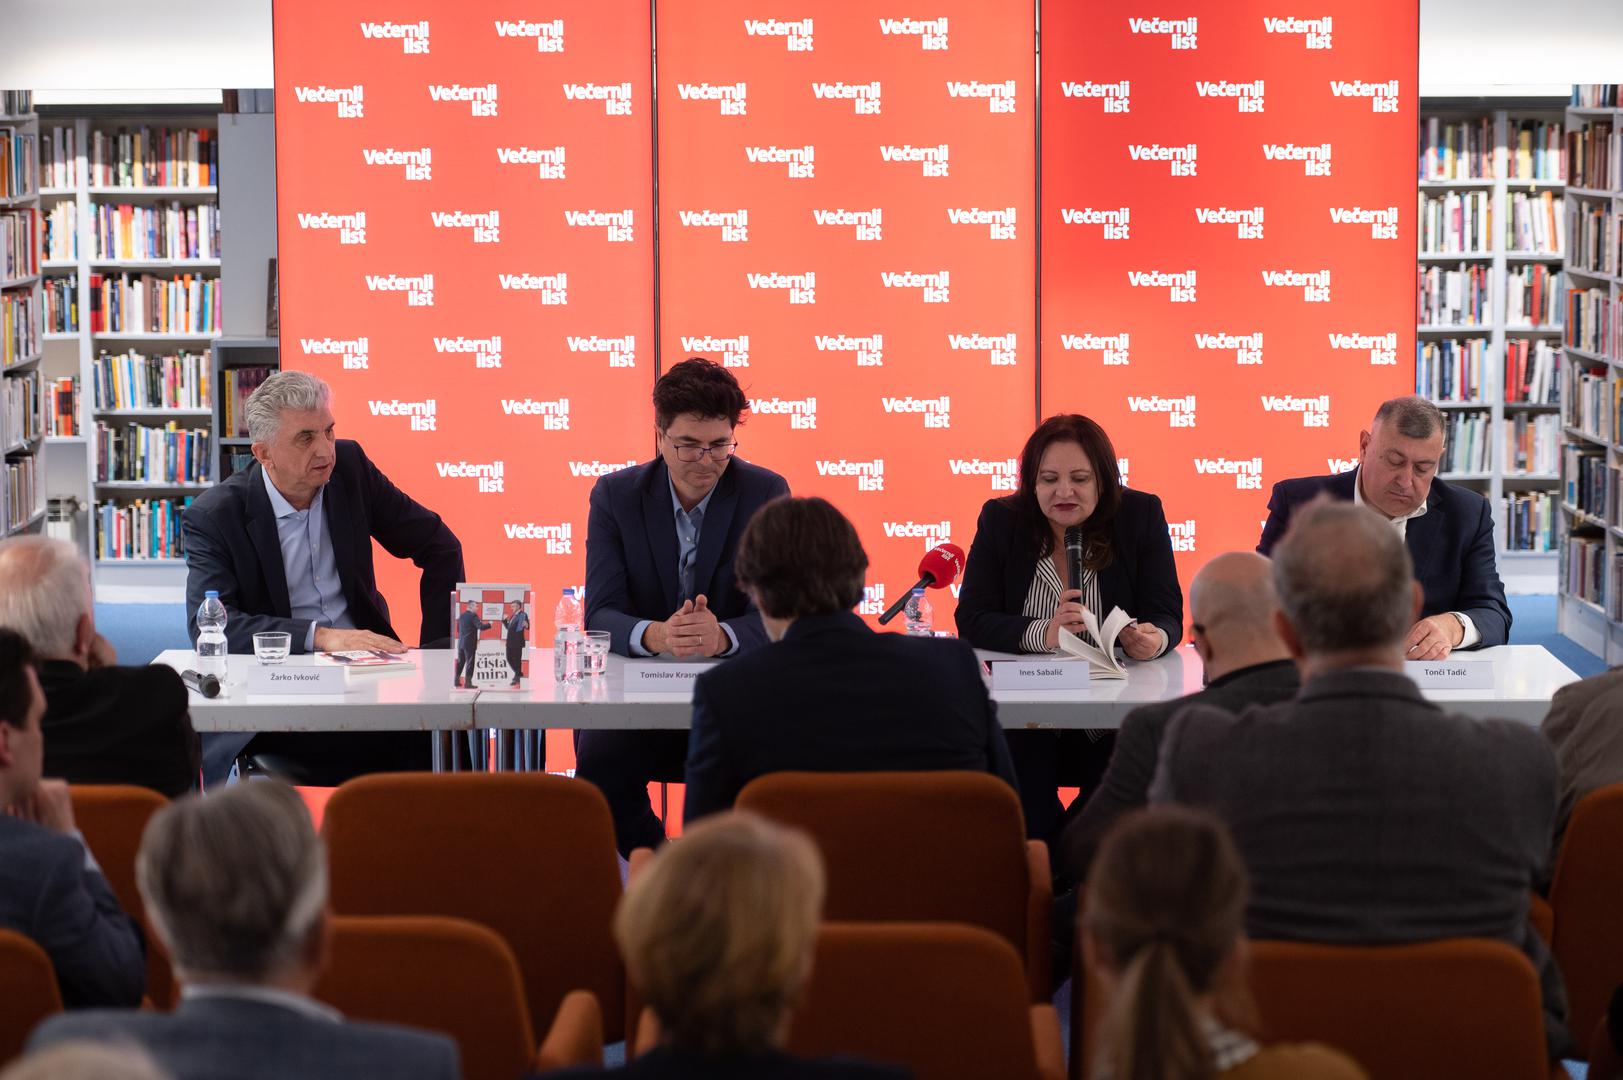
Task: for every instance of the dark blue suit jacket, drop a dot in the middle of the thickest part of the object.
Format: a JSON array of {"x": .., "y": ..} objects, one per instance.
[
  {"x": 631, "y": 550},
  {"x": 834, "y": 696},
  {"x": 47, "y": 894},
  {"x": 1451, "y": 545},
  {"x": 1142, "y": 578},
  {"x": 232, "y": 547}
]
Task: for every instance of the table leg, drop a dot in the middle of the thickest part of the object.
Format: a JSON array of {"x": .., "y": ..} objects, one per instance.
[
  {"x": 441, "y": 747},
  {"x": 504, "y": 750}
]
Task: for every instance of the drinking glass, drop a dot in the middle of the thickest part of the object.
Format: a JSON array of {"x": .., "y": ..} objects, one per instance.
[
  {"x": 594, "y": 653},
  {"x": 272, "y": 647}
]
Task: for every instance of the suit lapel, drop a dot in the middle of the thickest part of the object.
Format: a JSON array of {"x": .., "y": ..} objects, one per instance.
[
  {"x": 718, "y": 520},
  {"x": 341, "y": 534},
  {"x": 261, "y": 526},
  {"x": 1423, "y": 535},
  {"x": 660, "y": 527}
]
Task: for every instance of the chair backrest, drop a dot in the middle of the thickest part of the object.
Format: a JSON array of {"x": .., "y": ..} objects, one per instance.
[
  {"x": 28, "y": 992},
  {"x": 528, "y": 855},
  {"x": 439, "y": 974},
  {"x": 910, "y": 846},
  {"x": 1458, "y": 1007},
  {"x": 1587, "y": 895},
  {"x": 112, "y": 818}
]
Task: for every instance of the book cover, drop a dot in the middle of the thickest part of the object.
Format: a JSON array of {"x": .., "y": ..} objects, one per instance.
[{"x": 492, "y": 625}]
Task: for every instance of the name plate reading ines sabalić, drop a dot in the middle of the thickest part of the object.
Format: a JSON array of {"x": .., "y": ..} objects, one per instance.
[
  {"x": 296, "y": 679},
  {"x": 1451, "y": 674},
  {"x": 662, "y": 676},
  {"x": 1045, "y": 674}
]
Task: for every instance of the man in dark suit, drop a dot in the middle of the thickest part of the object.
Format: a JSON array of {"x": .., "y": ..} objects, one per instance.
[
  {"x": 468, "y": 625},
  {"x": 1366, "y": 814},
  {"x": 1582, "y": 727},
  {"x": 830, "y": 694},
  {"x": 1449, "y": 531},
  {"x": 1232, "y": 607},
  {"x": 660, "y": 540},
  {"x": 236, "y": 885},
  {"x": 287, "y": 543},
  {"x": 518, "y": 630},
  {"x": 51, "y": 889},
  {"x": 104, "y": 724}
]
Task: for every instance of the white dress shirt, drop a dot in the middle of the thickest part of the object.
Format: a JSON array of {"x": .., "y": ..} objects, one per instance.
[
  {"x": 314, "y": 590},
  {"x": 1471, "y": 634}
]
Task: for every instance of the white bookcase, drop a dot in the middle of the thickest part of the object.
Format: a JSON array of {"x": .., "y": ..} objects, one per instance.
[{"x": 22, "y": 510}]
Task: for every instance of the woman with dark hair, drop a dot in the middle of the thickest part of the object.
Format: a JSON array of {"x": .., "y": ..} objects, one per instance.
[{"x": 1017, "y": 596}]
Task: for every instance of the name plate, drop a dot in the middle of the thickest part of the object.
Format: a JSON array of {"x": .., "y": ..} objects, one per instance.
[
  {"x": 1451, "y": 674},
  {"x": 1039, "y": 674},
  {"x": 661, "y": 677},
  {"x": 296, "y": 679}
]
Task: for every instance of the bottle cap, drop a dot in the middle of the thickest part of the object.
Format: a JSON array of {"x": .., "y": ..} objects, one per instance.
[
  {"x": 569, "y": 591},
  {"x": 918, "y": 592},
  {"x": 212, "y": 594}
]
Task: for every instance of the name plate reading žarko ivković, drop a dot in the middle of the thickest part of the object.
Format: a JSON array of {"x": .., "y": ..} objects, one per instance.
[
  {"x": 1039, "y": 674},
  {"x": 1451, "y": 674},
  {"x": 296, "y": 679}
]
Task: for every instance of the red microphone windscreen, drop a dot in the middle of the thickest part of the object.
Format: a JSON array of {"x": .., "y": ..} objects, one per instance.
[{"x": 943, "y": 563}]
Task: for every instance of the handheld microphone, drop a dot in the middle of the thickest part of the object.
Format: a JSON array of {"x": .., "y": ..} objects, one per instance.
[
  {"x": 1073, "y": 555},
  {"x": 207, "y": 685},
  {"x": 939, "y": 568}
]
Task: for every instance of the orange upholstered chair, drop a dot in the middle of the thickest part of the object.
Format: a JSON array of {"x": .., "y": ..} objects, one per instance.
[
  {"x": 922, "y": 847},
  {"x": 1604, "y": 1063},
  {"x": 459, "y": 978},
  {"x": 1587, "y": 896},
  {"x": 946, "y": 1000},
  {"x": 112, "y": 818},
  {"x": 28, "y": 992},
  {"x": 528, "y": 855},
  {"x": 1463, "y": 1007}
]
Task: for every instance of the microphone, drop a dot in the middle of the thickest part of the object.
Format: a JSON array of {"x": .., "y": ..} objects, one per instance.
[
  {"x": 939, "y": 568},
  {"x": 1073, "y": 555},
  {"x": 207, "y": 685}
]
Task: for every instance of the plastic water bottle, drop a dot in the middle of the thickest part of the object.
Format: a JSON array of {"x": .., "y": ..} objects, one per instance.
[
  {"x": 920, "y": 616},
  {"x": 211, "y": 646},
  {"x": 567, "y": 617}
]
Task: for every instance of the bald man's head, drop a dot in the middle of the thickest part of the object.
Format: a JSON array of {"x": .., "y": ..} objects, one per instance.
[{"x": 1232, "y": 605}]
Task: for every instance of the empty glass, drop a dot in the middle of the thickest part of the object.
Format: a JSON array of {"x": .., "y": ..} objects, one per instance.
[
  {"x": 594, "y": 653},
  {"x": 273, "y": 646}
]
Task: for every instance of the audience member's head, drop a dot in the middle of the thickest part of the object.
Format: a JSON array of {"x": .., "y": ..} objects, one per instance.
[
  {"x": 1347, "y": 593},
  {"x": 800, "y": 557},
  {"x": 22, "y": 707},
  {"x": 86, "y": 1061},
  {"x": 1399, "y": 455},
  {"x": 45, "y": 596},
  {"x": 1232, "y": 607},
  {"x": 718, "y": 933},
  {"x": 236, "y": 886},
  {"x": 1165, "y": 910}
]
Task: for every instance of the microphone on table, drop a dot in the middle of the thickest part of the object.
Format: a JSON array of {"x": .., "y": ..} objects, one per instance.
[
  {"x": 207, "y": 685},
  {"x": 1073, "y": 555},
  {"x": 939, "y": 568}
]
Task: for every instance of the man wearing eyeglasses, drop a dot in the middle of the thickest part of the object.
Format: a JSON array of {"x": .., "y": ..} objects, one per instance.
[{"x": 660, "y": 541}]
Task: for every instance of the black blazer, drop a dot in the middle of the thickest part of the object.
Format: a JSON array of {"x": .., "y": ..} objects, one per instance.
[
  {"x": 631, "y": 550},
  {"x": 118, "y": 725},
  {"x": 664, "y": 1063},
  {"x": 834, "y": 696},
  {"x": 1142, "y": 578},
  {"x": 232, "y": 547},
  {"x": 1125, "y": 785},
  {"x": 1451, "y": 545},
  {"x": 48, "y": 894}
]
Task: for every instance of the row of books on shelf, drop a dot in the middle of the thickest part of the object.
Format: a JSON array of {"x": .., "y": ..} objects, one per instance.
[
  {"x": 19, "y": 397},
  {"x": 1532, "y": 372},
  {"x": 153, "y": 157},
  {"x": 1466, "y": 447},
  {"x": 1532, "y": 443},
  {"x": 239, "y": 383},
  {"x": 1595, "y": 96},
  {"x": 61, "y": 231},
  {"x": 1528, "y": 521},
  {"x": 147, "y": 303},
  {"x": 1587, "y": 481},
  {"x": 140, "y": 529},
  {"x": 19, "y": 325},
  {"x": 19, "y": 243},
  {"x": 137, "y": 453},
  {"x": 16, "y": 102},
  {"x": 19, "y": 162},
  {"x": 1447, "y": 297},
  {"x": 1596, "y": 155},
  {"x": 1464, "y": 150},
  {"x": 1583, "y": 569},
  {"x": 1595, "y": 241},
  {"x": 133, "y": 380},
  {"x": 61, "y": 298},
  {"x": 167, "y": 230},
  {"x": 59, "y": 157},
  {"x": 1533, "y": 296},
  {"x": 1537, "y": 222},
  {"x": 62, "y": 406},
  {"x": 1452, "y": 370},
  {"x": 1592, "y": 322},
  {"x": 22, "y": 489},
  {"x": 1590, "y": 401},
  {"x": 1456, "y": 221}
]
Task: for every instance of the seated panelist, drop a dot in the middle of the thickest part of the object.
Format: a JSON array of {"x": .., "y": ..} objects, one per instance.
[
  {"x": 287, "y": 543},
  {"x": 1017, "y": 595},
  {"x": 1448, "y": 530}
]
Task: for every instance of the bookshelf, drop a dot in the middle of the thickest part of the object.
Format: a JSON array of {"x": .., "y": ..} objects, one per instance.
[
  {"x": 22, "y": 396},
  {"x": 1590, "y": 606},
  {"x": 1491, "y": 205},
  {"x": 133, "y": 270}
]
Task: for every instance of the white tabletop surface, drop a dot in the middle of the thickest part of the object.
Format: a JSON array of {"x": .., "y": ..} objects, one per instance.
[{"x": 421, "y": 697}]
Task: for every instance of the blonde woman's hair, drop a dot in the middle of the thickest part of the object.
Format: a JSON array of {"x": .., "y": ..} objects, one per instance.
[
  {"x": 1165, "y": 907},
  {"x": 718, "y": 933},
  {"x": 78, "y": 1059}
]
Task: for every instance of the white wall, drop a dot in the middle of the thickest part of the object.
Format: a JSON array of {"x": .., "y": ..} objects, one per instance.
[{"x": 1466, "y": 46}]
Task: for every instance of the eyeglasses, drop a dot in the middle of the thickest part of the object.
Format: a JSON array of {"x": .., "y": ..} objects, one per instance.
[{"x": 685, "y": 452}]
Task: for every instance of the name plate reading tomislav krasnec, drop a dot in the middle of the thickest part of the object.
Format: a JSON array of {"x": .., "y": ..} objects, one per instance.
[
  {"x": 1451, "y": 674},
  {"x": 662, "y": 676},
  {"x": 296, "y": 679},
  {"x": 1043, "y": 674}
]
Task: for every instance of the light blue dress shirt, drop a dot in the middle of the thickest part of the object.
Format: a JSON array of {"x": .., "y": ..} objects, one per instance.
[
  {"x": 688, "y": 524},
  {"x": 313, "y": 589}
]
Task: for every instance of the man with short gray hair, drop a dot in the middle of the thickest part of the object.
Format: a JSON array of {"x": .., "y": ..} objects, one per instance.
[
  {"x": 287, "y": 543},
  {"x": 1366, "y": 814},
  {"x": 235, "y": 885},
  {"x": 1449, "y": 530}
]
